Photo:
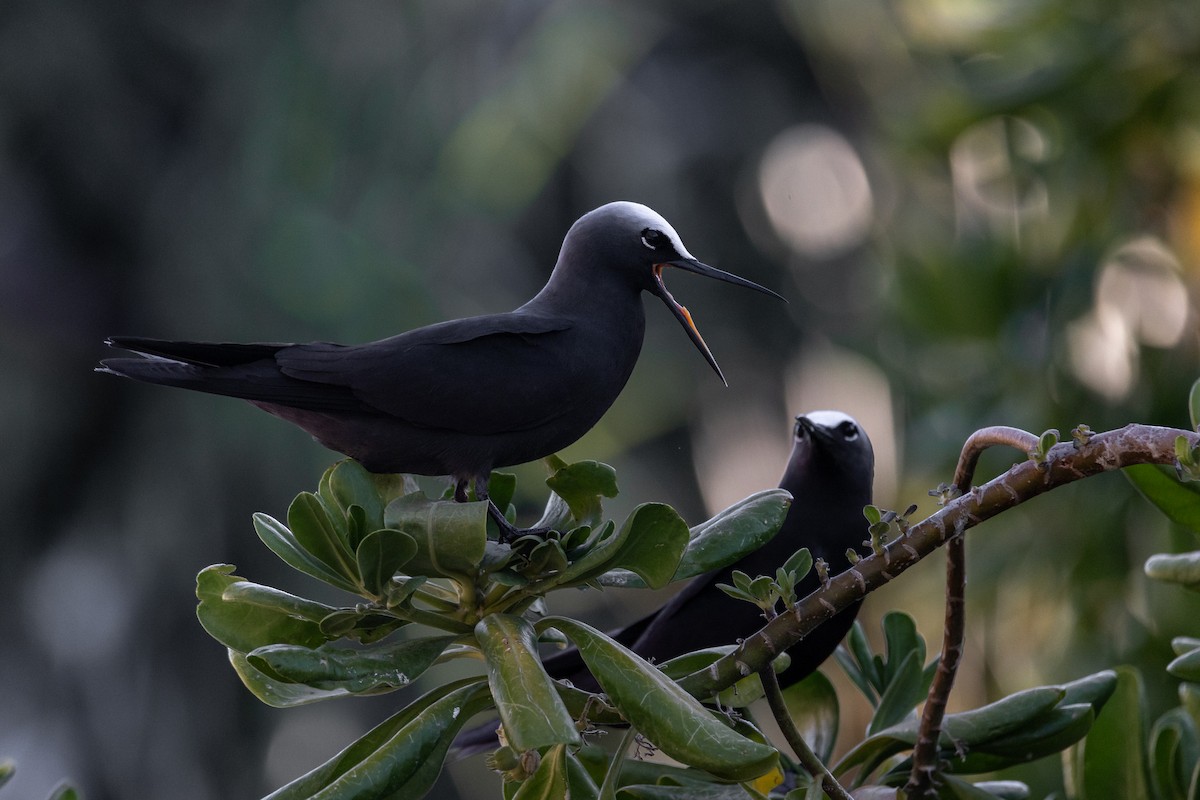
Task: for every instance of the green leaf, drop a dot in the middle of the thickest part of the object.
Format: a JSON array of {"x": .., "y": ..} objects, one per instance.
[
  {"x": 1186, "y": 667},
  {"x": 64, "y": 791},
  {"x": 670, "y": 717},
  {"x": 580, "y": 784},
  {"x": 549, "y": 780},
  {"x": 1011, "y": 714},
  {"x": 710, "y": 791},
  {"x": 1181, "y": 568},
  {"x": 501, "y": 488},
  {"x": 582, "y": 485},
  {"x": 813, "y": 705},
  {"x": 1158, "y": 484},
  {"x": 348, "y": 483},
  {"x": 276, "y": 693},
  {"x": 370, "y": 670},
  {"x": 282, "y": 542},
  {"x": 1051, "y": 733},
  {"x": 1174, "y": 750},
  {"x": 532, "y": 712},
  {"x": 959, "y": 789},
  {"x": 902, "y": 639},
  {"x": 799, "y": 563},
  {"x": 735, "y": 532},
  {"x": 745, "y": 691},
  {"x": 256, "y": 594},
  {"x": 318, "y": 534},
  {"x": 401, "y": 757},
  {"x": 451, "y": 537},
  {"x": 380, "y": 555},
  {"x": 904, "y": 690},
  {"x": 243, "y": 625},
  {"x": 648, "y": 544},
  {"x": 1110, "y": 761}
]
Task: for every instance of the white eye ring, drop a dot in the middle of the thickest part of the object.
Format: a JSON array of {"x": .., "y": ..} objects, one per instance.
[
  {"x": 647, "y": 244},
  {"x": 849, "y": 431}
]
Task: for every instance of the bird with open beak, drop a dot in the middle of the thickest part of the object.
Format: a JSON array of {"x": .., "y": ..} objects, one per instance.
[{"x": 466, "y": 396}]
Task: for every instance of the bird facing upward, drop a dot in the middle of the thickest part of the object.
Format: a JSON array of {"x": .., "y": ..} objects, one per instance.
[
  {"x": 829, "y": 474},
  {"x": 466, "y": 396}
]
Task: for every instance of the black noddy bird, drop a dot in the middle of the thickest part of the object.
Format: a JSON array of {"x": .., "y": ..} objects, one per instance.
[
  {"x": 829, "y": 474},
  {"x": 467, "y": 396}
]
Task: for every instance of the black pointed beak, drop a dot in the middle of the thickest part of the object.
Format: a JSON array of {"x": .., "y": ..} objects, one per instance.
[{"x": 681, "y": 313}]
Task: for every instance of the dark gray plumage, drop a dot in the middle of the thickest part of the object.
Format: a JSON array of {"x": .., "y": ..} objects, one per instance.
[
  {"x": 829, "y": 474},
  {"x": 466, "y": 396}
]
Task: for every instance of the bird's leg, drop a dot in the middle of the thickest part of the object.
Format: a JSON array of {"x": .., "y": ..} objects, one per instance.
[{"x": 508, "y": 532}]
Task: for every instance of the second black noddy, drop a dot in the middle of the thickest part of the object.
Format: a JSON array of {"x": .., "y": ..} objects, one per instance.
[
  {"x": 829, "y": 473},
  {"x": 467, "y": 396}
]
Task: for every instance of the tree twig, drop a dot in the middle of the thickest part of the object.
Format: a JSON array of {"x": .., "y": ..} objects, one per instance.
[
  {"x": 808, "y": 759},
  {"x": 1065, "y": 463},
  {"x": 925, "y": 752}
]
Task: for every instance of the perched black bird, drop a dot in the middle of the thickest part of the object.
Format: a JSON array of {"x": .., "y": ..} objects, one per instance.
[
  {"x": 466, "y": 396},
  {"x": 829, "y": 473}
]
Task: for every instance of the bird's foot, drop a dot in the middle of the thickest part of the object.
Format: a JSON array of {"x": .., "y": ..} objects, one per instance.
[{"x": 509, "y": 533}]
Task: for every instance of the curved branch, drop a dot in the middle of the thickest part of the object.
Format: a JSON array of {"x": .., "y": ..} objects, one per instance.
[
  {"x": 1065, "y": 463},
  {"x": 925, "y": 752}
]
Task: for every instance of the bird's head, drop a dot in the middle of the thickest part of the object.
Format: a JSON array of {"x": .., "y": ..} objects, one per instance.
[
  {"x": 634, "y": 242},
  {"x": 833, "y": 445}
]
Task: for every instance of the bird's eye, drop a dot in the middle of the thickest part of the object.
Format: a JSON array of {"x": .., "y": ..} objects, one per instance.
[
  {"x": 848, "y": 430},
  {"x": 654, "y": 239},
  {"x": 798, "y": 430}
]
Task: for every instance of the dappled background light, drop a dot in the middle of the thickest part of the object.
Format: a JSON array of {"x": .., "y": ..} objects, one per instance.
[{"x": 980, "y": 213}]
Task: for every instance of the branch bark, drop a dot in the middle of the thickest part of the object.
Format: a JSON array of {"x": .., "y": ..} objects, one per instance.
[
  {"x": 925, "y": 753},
  {"x": 1065, "y": 463}
]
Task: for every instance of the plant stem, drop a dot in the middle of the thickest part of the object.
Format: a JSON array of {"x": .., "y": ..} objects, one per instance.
[
  {"x": 925, "y": 752},
  {"x": 808, "y": 759}
]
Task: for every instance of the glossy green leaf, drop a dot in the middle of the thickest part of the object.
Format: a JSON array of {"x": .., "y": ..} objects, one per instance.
[
  {"x": 243, "y": 625},
  {"x": 276, "y": 693},
  {"x": 64, "y": 791},
  {"x": 1158, "y": 484},
  {"x": 901, "y": 638},
  {"x": 1011, "y": 714},
  {"x": 734, "y": 532},
  {"x": 648, "y": 544},
  {"x": 1181, "y": 568},
  {"x": 549, "y": 780},
  {"x": 580, "y": 783},
  {"x": 532, "y": 712},
  {"x": 902, "y": 694},
  {"x": 1110, "y": 761},
  {"x": 581, "y": 486},
  {"x": 400, "y": 758},
  {"x": 317, "y": 533},
  {"x": 348, "y": 483},
  {"x": 741, "y": 694},
  {"x": 813, "y": 706},
  {"x": 451, "y": 537},
  {"x": 256, "y": 594},
  {"x": 282, "y": 542},
  {"x": 671, "y": 718},
  {"x": 501, "y": 488},
  {"x": 368, "y": 670},
  {"x": 1186, "y": 667},
  {"x": 380, "y": 555},
  {"x": 1047, "y": 735}
]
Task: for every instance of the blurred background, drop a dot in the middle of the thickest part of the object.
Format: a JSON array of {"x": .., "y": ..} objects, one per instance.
[{"x": 981, "y": 213}]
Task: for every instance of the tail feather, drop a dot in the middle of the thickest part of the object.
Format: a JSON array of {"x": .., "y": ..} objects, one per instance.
[
  {"x": 259, "y": 382},
  {"x": 213, "y": 354}
]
